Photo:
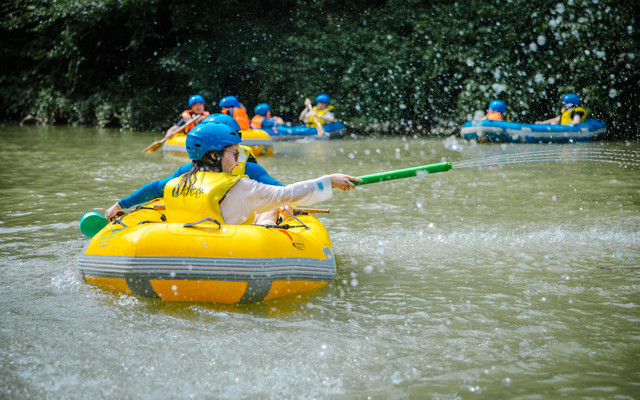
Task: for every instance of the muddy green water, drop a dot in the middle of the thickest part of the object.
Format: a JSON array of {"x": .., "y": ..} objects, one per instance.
[{"x": 506, "y": 281}]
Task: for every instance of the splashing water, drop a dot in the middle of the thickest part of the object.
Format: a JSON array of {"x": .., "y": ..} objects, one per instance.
[{"x": 623, "y": 158}]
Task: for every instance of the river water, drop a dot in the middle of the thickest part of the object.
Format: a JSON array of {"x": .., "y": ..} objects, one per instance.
[{"x": 494, "y": 280}]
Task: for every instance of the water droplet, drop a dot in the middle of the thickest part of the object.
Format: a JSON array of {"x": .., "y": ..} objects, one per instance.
[{"x": 506, "y": 382}]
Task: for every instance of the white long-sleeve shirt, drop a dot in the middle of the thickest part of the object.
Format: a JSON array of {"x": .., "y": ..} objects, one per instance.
[{"x": 248, "y": 197}]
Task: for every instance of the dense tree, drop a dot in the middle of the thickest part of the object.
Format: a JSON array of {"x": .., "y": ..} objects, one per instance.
[{"x": 413, "y": 65}]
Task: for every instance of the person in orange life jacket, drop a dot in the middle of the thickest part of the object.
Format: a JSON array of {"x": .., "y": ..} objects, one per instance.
[
  {"x": 231, "y": 105},
  {"x": 571, "y": 112},
  {"x": 213, "y": 149},
  {"x": 322, "y": 112},
  {"x": 196, "y": 107},
  {"x": 263, "y": 118},
  {"x": 496, "y": 111}
]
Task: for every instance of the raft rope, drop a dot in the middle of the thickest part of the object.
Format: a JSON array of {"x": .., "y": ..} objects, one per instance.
[
  {"x": 287, "y": 226},
  {"x": 294, "y": 217}
]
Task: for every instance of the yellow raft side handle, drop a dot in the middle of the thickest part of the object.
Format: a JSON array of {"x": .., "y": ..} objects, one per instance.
[{"x": 191, "y": 224}]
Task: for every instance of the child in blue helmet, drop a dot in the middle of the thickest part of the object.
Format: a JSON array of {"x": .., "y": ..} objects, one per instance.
[
  {"x": 322, "y": 113},
  {"x": 155, "y": 189},
  {"x": 263, "y": 117},
  {"x": 571, "y": 112},
  {"x": 196, "y": 109},
  {"x": 496, "y": 112},
  {"x": 233, "y": 199}
]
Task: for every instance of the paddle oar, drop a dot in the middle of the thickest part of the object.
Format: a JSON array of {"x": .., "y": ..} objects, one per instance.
[
  {"x": 156, "y": 145},
  {"x": 403, "y": 173},
  {"x": 91, "y": 223},
  {"x": 315, "y": 119}
]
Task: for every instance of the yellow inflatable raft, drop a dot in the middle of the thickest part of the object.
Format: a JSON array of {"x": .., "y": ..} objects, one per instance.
[
  {"x": 259, "y": 141},
  {"x": 201, "y": 261}
]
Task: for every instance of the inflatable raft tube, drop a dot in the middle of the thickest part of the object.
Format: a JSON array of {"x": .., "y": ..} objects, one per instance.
[
  {"x": 333, "y": 130},
  {"x": 514, "y": 132},
  {"x": 202, "y": 261}
]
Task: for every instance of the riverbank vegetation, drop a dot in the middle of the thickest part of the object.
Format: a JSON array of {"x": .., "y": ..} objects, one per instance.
[{"x": 410, "y": 66}]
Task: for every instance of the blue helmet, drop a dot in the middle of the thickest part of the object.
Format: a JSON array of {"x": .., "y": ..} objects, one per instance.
[
  {"x": 229, "y": 101},
  {"x": 498, "y": 106},
  {"x": 196, "y": 98},
  {"x": 571, "y": 99},
  {"x": 207, "y": 137},
  {"x": 222, "y": 119},
  {"x": 323, "y": 98},
  {"x": 261, "y": 109}
]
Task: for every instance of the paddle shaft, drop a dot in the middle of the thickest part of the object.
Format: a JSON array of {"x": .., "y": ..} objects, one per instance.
[
  {"x": 315, "y": 119},
  {"x": 403, "y": 173},
  {"x": 156, "y": 145}
]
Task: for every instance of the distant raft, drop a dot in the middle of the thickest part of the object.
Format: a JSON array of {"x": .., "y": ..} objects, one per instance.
[
  {"x": 514, "y": 132},
  {"x": 333, "y": 130},
  {"x": 259, "y": 141},
  {"x": 144, "y": 255}
]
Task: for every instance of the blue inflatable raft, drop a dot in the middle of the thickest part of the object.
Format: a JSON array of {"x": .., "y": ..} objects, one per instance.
[
  {"x": 333, "y": 130},
  {"x": 514, "y": 132}
]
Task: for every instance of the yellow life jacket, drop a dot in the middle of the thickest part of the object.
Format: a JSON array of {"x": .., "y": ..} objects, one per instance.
[
  {"x": 201, "y": 201},
  {"x": 566, "y": 117},
  {"x": 244, "y": 152},
  {"x": 311, "y": 119}
]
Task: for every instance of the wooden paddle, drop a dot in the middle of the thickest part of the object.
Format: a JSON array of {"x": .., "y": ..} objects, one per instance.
[
  {"x": 315, "y": 119},
  {"x": 156, "y": 145}
]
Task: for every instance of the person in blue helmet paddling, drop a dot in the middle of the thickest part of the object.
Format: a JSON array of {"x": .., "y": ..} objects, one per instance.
[
  {"x": 248, "y": 165},
  {"x": 230, "y": 198},
  {"x": 496, "y": 112},
  {"x": 196, "y": 109},
  {"x": 321, "y": 113},
  {"x": 263, "y": 117},
  {"x": 571, "y": 112},
  {"x": 231, "y": 105}
]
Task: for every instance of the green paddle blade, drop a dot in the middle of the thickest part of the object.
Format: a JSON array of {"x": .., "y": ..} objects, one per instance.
[
  {"x": 403, "y": 173},
  {"x": 91, "y": 223}
]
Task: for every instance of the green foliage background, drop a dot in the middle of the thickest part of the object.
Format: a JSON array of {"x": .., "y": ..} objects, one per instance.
[{"x": 414, "y": 66}]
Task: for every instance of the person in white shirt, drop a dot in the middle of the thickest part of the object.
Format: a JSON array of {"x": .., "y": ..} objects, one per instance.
[{"x": 210, "y": 190}]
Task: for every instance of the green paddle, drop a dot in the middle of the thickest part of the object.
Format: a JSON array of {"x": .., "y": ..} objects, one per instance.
[
  {"x": 91, "y": 223},
  {"x": 403, "y": 173}
]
